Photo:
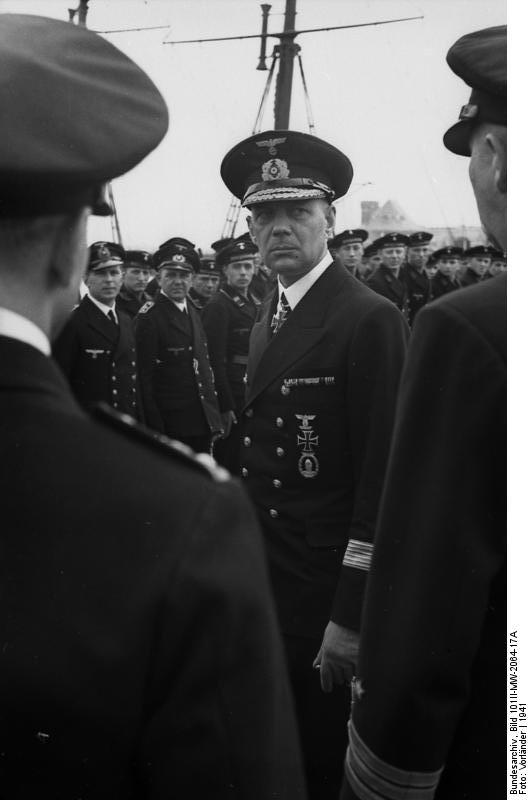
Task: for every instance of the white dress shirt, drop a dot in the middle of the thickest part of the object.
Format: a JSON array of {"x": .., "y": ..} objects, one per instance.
[
  {"x": 297, "y": 291},
  {"x": 24, "y": 330},
  {"x": 104, "y": 308},
  {"x": 182, "y": 306}
]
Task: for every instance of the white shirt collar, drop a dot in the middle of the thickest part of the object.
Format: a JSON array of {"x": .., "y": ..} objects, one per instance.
[
  {"x": 297, "y": 291},
  {"x": 24, "y": 330},
  {"x": 182, "y": 306},
  {"x": 102, "y": 307}
]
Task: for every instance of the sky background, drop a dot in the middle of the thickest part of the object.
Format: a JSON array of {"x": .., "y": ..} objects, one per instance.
[{"x": 383, "y": 95}]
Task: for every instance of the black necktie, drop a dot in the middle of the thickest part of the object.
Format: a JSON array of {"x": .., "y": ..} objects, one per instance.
[
  {"x": 112, "y": 316},
  {"x": 281, "y": 314}
]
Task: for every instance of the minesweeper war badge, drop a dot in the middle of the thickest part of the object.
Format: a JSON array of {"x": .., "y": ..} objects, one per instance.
[{"x": 308, "y": 464}]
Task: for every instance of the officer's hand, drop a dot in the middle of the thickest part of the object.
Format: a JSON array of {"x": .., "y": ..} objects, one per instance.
[
  {"x": 228, "y": 419},
  {"x": 337, "y": 656}
]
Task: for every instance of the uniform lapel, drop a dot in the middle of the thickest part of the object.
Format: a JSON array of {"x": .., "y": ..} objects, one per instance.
[
  {"x": 97, "y": 320},
  {"x": 305, "y": 326},
  {"x": 174, "y": 315}
]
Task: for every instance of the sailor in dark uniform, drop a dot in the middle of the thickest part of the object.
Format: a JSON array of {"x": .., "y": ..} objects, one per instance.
[
  {"x": 137, "y": 265},
  {"x": 478, "y": 260},
  {"x": 388, "y": 279},
  {"x": 324, "y": 366},
  {"x": 175, "y": 375},
  {"x": 140, "y": 652},
  {"x": 348, "y": 247},
  {"x": 205, "y": 283},
  {"x": 96, "y": 349},
  {"x": 429, "y": 717},
  {"x": 370, "y": 262},
  {"x": 431, "y": 267},
  {"x": 228, "y": 320},
  {"x": 414, "y": 272},
  {"x": 448, "y": 261},
  {"x": 498, "y": 263}
]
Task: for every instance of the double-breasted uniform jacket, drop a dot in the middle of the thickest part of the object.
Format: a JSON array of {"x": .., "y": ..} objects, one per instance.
[
  {"x": 442, "y": 284},
  {"x": 384, "y": 282},
  {"x": 98, "y": 358},
  {"x": 228, "y": 319},
  {"x": 315, "y": 436},
  {"x": 418, "y": 288},
  {"x": 175, "y": 376},
  {"x": 432, "y": 656},
  {"x": 140, "y": 653},
  {"x": 130, "y": 303}
]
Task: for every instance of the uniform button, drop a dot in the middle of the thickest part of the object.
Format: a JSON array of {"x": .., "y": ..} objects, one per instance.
[
  {"x": 133, "y": 363},
  {"x": 279, "y": 422},
  {"x": 277, "y": 483},
  {"x": 273, "y": 513},
  {"x": 133, "y": 376},
  {"x": 285, "y": 390},
  {"x": 114, "y": 391},
  {"x": 115, "y": 405},
  {"x": 280, "y": 452},
  {"x": 133, "y": 402},
  {"x": 190, "y": 348},
  {"x": 113, "y": 377},
  {"x": 249, "y": 413},
  {"x": 113, "y": 363},
  {"x": 247, "y": 441},
  {"x": 244, "y": 472}
]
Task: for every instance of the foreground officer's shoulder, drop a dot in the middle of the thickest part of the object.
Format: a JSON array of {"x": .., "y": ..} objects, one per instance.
[{"x": 158, "y": 443}]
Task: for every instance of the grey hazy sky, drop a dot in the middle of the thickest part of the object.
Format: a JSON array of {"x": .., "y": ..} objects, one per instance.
[{"x": 384, "y": 95}]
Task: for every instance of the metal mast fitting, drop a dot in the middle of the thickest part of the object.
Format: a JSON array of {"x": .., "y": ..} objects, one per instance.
[
  {"x": 80, "y": 13},
  {"x": 262, "y": 55}
]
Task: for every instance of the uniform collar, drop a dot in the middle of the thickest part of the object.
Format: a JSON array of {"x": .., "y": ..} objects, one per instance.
[
  {"x": 15, "y": 326},
  {"x": 102, "y": 307},
  {"x": 299, "y": 289},
  {"x": 181, "y": 306}
]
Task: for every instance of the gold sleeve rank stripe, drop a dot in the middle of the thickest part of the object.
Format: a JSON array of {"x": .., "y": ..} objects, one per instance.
[
  {"x": 372, "y": 778},
  {"x": 358, "y": 555}
]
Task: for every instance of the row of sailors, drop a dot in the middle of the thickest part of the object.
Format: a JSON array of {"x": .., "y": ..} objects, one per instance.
[{"x": 172, "y": 350}]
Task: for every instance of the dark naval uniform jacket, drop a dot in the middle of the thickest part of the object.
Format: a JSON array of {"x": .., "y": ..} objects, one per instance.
[
  {"x": 418, "y": 288},
  {"x": 470, "y": 278},
  {"x": 197, "y": 299},
  {"x": 98, "y": 358},
  {"x": 431, "y": 714},
  {"x": 140, "y": 653},
  {"x": 176, "y": 379},
  {"x": 441, "y": 284},
  {"x": 129, "y": 302},
  {"x": 315, "y": 436},
  {"x": 228, "y": 320},
  {"x": 384, "y": 282}
]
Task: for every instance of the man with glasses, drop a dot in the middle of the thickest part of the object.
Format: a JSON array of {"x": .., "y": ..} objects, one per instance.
[{"x": 96, "y": 349}]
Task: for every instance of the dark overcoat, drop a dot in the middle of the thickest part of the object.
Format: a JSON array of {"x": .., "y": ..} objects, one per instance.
[
  {"x": 228, "y": 319},
  {"x": 470, "y": 278},
  {"x": 98, "y": 358},
  {"x": 384, "y": 282},
  {"x": 442, "y": 284},
  {"x": 140, "y": 656},
  {"x": 432, "y": 656},
  {"x": 176, "y": 380},
  {"x": 130, "y": 303},
  {"x": 315, "y": 436}
]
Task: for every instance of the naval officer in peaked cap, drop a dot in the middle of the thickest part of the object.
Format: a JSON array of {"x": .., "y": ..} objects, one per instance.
[
  {"x": 429, "y": 711},
  {"x": 324, "y": 365},
  {"x": 140, "y": 655}
]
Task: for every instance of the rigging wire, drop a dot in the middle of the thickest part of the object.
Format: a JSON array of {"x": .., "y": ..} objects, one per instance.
[{"x": 310, "y": 117}]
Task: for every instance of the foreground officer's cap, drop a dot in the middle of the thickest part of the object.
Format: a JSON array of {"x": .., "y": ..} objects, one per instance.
[
  {"x": 285, "y": 165},
  {"x": 393, "y": 240},
  {"x": 480, "y": 59},
  {"x": 349, "y": 236},
  {"x": 77, "y": 112},
  {"x": 419, "y": 238},
  {"x": 138, "y": 258},
  {"x": 102, "y": 255},
  {"x": 447, "y": 252},
  {"x": 479, "y": 250},
  {"x": 176, "y": 256},
  {"x": 242, "y": 249}
]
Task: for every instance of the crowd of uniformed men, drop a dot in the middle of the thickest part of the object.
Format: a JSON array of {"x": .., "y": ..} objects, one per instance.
[
  {"x": 164, "y": 337},
  {"x": 167, "y": 631}
]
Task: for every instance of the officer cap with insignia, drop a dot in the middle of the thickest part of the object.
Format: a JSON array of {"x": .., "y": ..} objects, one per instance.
[
  {"x": 178, "y": 240},
  {"x": 393, "y": 240},
  {"x": 285, "y": 165},
  {"x": 77, "y": 113},
  {"x": 480, "y": 59},
  {"x": 220, "y": 243},
  {"x": 371, "y": 249},
  {"x": 479, "y": 250},
  {"x": 447, "y": 252},
  {"x": 208, "y": 266},
  {"x": 138, "y": 258},
  {"x": 349, "y": 236},
  {"x": 419, "y": 238},
  {"x": 173, "y": 255},
  {"x": 102, "y": 255},
  {"x": 241, "y": 249}
]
